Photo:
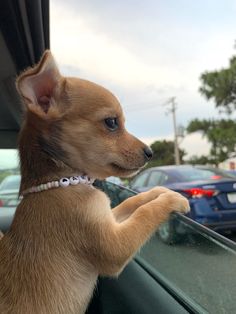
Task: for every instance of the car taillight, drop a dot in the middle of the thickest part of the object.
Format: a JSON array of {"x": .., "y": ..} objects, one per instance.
[
  {"x": 216, "y": 177},
  {"x": 198, "y": 192},
  {"x": 1, "y": 203}
]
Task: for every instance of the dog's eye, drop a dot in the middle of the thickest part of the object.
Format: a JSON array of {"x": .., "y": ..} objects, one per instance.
[{"x": 111, "y": 123}]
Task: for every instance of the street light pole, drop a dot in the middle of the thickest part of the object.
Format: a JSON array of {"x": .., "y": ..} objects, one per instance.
[{"x": 173, "y": 111}]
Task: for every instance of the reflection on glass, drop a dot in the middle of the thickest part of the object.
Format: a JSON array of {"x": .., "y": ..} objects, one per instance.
[{"x": 200, "y": 264}]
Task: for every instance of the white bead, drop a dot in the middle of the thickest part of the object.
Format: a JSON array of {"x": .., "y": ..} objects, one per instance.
[
  {"x": 83, "y": 179},
  {"x": 56, "y": 184},
  {"x": 74, "y": 180},
  {"x": 90, "y": 180},
  {"x": 64, "y": 182}
]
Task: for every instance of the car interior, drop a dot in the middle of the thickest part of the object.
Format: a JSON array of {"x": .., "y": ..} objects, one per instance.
[{"x": 142, "y": 288}]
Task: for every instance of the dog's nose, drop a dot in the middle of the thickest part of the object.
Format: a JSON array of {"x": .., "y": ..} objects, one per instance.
[{"x": 148, "y": 153}]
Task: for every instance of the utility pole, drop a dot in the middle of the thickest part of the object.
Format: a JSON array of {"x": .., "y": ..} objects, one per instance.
[{"x": 173, "y": 108}]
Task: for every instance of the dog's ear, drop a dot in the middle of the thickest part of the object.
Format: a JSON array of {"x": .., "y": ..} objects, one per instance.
[{"x": 38, "y": 86}]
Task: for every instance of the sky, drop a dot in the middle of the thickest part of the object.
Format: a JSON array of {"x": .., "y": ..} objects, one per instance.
[{"x": 146, "y": 52}]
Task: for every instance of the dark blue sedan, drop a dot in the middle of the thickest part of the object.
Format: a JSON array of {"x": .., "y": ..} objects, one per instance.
[{"x": 211, "y": 193}]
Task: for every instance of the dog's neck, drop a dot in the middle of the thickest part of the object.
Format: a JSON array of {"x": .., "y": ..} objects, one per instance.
[{"x": 38, "y": 166}]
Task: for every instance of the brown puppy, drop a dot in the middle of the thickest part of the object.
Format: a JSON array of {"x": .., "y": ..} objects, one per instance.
[{"x": 61, "y": 239}]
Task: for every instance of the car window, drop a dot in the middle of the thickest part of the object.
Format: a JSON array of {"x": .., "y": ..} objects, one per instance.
[
  {"x": 199, "y": 270},
  {"x": 139, "y": 181},
  {"x": 11, "y": 182},
  {"x": 197, "y": 267},
  {"x": 157, "y": 178}
]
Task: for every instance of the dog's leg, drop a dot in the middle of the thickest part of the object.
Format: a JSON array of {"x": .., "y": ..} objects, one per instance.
[
  {"x": 126, "y": 208},
  {"x": 118, "y": 242}
]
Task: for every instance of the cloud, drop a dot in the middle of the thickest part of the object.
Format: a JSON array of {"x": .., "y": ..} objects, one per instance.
[
  {"x": 145, "y": 53},
  {"x": 195, "y": 145},
  {"x": 94, "y": 48},
  {"x": 96, "y": 54},
  {"x": 129, "y": 51}
]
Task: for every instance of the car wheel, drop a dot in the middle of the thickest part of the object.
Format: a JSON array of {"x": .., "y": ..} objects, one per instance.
[{"x": 168, "y": 233}]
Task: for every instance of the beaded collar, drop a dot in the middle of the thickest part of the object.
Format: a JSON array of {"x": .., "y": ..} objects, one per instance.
[{"x": 63, "y": 182}]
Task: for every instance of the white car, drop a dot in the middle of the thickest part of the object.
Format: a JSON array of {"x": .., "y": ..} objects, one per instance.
[{"x": 9, "y": 199}]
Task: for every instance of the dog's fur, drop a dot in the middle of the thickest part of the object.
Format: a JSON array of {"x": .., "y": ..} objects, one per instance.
[{"x": 62, "y": 239}]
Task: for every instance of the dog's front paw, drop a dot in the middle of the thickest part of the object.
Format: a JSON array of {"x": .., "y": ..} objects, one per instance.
[
  {"x": 157, "y": 191},
  {"x": 174, "y": 202}
]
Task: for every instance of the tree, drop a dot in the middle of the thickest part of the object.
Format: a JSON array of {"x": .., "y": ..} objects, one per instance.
[
  {"x": 199, "y": 160},
  {"x": 221, "y": 86},
  {"x": 163, "y": 153},
  {"x": 219, "y": 133}
]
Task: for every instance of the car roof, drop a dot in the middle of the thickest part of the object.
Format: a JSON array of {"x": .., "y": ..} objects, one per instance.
[
  {"x": 177, "y": 167},
  {"x": 182, "y": 166},
  {"x": 177, "y": 171},
  {"x": 12, "y": 177}
]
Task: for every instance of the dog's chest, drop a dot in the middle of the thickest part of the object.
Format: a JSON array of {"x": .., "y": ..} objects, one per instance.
[{"x": 75, "y": 291}]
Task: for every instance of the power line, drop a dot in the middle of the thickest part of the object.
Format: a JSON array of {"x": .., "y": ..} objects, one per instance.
[
  {"x": 141, "y": 107},
  {"x": 172, "y": 110}
]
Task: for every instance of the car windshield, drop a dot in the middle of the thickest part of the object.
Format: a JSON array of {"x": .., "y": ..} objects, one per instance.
[{"x": 189, "y": 174}]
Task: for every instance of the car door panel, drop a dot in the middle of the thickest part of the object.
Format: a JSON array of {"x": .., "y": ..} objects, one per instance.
[{"x": 133, "y": 292}]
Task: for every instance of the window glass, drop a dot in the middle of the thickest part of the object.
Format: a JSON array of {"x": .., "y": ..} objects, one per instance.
[
  {"x": 10, "y": 182},
  {"x": 140, "y": 180},
  {"x": 157, "y": 178},
  {"x": 9, "y": 185},
  {"x": 9, "y": 164},
  {"x": 198, "y": 266},
  {"x": 199, "y": 269}
]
